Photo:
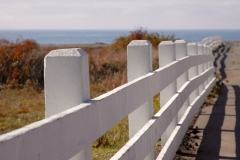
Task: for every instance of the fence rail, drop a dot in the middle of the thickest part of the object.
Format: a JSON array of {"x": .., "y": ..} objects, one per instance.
[{"x": 184, "y": 79}]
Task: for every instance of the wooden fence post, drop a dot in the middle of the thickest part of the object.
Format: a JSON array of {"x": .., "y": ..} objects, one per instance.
[
  {"x": 181, "y": 51},
  {"x": 66, "y": 85},
  {"x": 201, "y": 66},
  {"x": 139, "y": 63},
  {"x": 192, "y": 72},
  {"x": 205, "y": 64},
  {"x": 166, "y": 52},
  {"x": 210, "y": 63}
]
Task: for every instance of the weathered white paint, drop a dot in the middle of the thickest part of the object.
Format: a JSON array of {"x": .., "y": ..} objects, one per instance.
[
  {"x": 66, "y": 84},
  {"x": 181, "y": 52},
  {"x": 192, "y": 72},
  {"x": 210, "y": 63},
  {"x": 201, "y": 66},
  {"x": 102, "y": 113},
  {"x": 212, "y": 42},
  {"x": 156, "y": 126},
  {"x": 64, "y": 134},
  {"x": 167, "y": 55},
  {"x": 65, "y": 87},
  {"x": 139, "y": 63},
  {"x": 205, "y": 64},
  {"x": 169, "y": 150}
]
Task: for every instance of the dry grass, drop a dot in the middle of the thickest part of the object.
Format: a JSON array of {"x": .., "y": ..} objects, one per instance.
[
  {"x": 19, "y": 107},
  {"x": 108, "y": 70}
]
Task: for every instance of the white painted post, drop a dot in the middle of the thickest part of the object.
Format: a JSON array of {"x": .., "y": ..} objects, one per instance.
[
  {"x": 205, "y": 64},
  {"x": 210, "y": 64},
  {"x": 201, "y": 66},
  {"x": 210, "y": 44},
  {"x": 181, "y": 51},
  {"x": 166, "y": 52},
  {"x": 66, "y": 85},
  {"x": 192, "y": 72},
  {"x": 139, "y": 63}
]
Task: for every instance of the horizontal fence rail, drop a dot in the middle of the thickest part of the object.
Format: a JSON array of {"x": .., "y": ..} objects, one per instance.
[{"x": 73, "y": 121}]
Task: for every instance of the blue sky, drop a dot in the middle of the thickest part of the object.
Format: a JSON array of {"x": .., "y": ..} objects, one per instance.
[{"x": 119, "y": 14}]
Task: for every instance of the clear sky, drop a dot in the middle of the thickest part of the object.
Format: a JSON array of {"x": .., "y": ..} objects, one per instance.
[{"x": 119, "y": 14}]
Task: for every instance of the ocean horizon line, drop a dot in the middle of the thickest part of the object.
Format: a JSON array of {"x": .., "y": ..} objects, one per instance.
[
  {"x": 147, "y": 29},
  {"x": 89, "y": 36}
]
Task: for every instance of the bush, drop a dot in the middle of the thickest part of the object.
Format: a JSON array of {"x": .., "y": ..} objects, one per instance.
[
  {"x": 141, "y": 34},
  {"x": 21, "y": 63}
]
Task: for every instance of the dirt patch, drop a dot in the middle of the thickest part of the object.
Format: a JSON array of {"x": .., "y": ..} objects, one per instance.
[
  {"x": 189, "y": 146},
  {"x": 191, "y": 141}
]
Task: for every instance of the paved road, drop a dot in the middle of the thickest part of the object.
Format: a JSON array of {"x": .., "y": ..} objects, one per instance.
[{"x": 219, "y": 124}]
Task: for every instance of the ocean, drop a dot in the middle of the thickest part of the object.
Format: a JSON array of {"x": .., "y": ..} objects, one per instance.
[{"x": 108, "y": 36}]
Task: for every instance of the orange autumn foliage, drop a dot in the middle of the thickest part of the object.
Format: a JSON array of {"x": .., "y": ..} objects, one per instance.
[{"x": 20, "y": 62}]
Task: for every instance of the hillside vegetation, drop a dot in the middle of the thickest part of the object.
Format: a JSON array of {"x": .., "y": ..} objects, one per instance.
[
  {"x": 22, "y": 83},
  {"x": 21, "y": 62}
]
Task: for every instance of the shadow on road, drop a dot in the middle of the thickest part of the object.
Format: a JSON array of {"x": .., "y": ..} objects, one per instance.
[
  {"x": 237, "y": 126},
  {"x": 222, "y": 54},
  {"x": 211, "y": 141}
]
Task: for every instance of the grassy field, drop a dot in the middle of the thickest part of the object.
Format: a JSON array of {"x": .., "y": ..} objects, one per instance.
[
  {"x": 19, "y": 107},
  {"x": 22, "y": 92}
]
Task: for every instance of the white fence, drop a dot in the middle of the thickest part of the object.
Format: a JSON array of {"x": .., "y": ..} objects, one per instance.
[
  {"x": 184, "y": 79},
  {"x": 212, "y": 42}
]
